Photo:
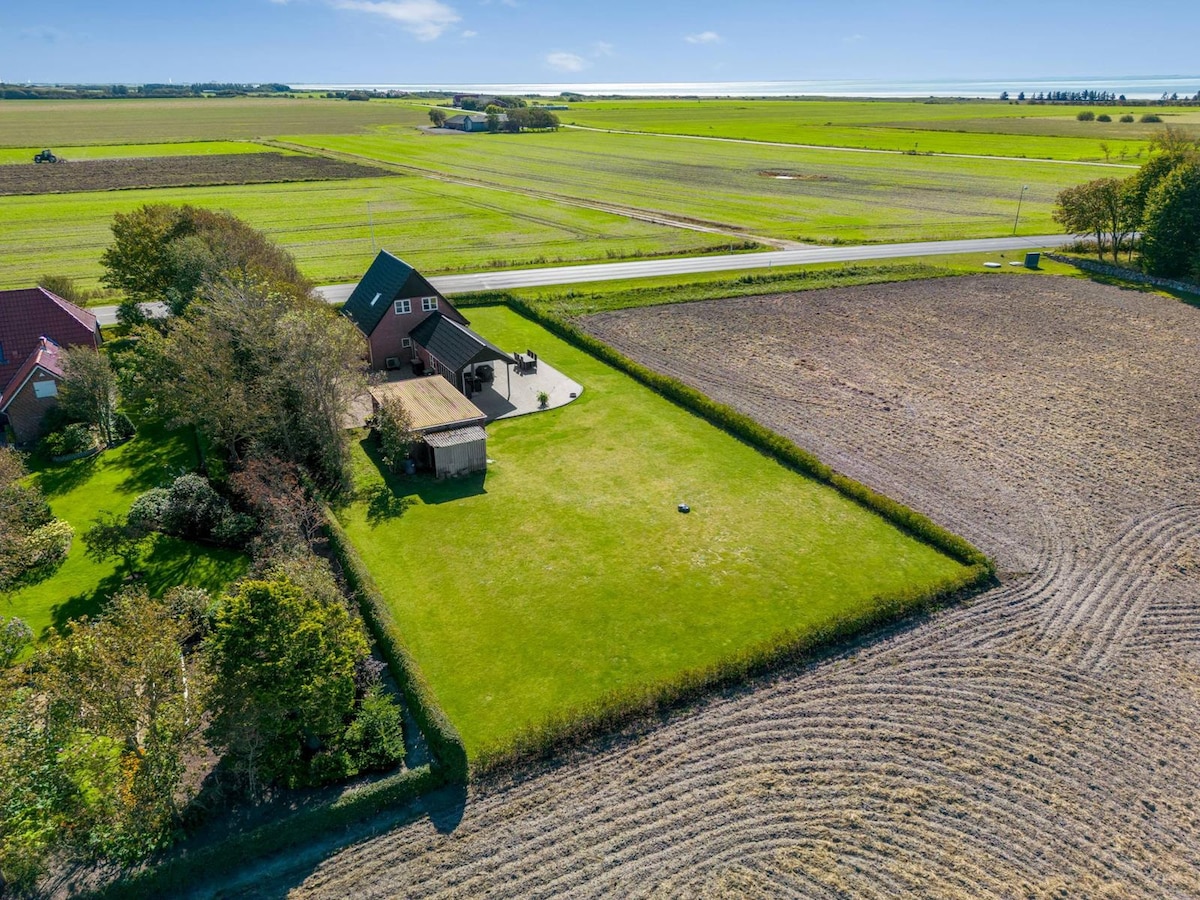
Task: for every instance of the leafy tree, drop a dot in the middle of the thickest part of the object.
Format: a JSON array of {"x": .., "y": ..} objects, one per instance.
[
  {"x": 168, "y": 253},
  {"x": 89, "y": 390},
  {"x": 437, "y": 117},
  {"x": 1103, "y": 208},
  {"x": 282, "y": 653},
  {"x": 493, "y": 113},
  {"x": 288, "y": 516},
  {"x": 15, "y": 636},
  {"x": 23, "y": 511},
  {"x": 64, "y": 286},
  {"x": 396, "y": 433},
  {"x": 1171, "y": 226}
]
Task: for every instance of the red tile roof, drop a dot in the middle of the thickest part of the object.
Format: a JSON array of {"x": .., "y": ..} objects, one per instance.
[
  {"x": 28, "y": 315},
  {"x": 45, "y": 357}
]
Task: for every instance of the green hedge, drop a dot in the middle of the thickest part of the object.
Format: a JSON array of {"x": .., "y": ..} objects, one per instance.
[
  {"x": 186, "y": 868},
  {"x": 444, "y": 740}
]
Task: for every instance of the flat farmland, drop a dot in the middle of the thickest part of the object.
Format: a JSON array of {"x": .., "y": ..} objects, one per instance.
[
  {"x": 977, "y": 128},
  {"x": 1039, "y": 741},
  {"x": 780, "y": 192},
  {"x": 53, "y": 123},
  {"x": 335, "y": 227},
  {"x": 177, "y": 171},
  {"x": 21, "y": 155}
]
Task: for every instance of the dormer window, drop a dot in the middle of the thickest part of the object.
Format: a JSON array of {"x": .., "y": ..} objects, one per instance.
[
  {"x": 429, "y": 304},
  {"x": 403, "y": 307},
  {"x": 376, "y": 299}
]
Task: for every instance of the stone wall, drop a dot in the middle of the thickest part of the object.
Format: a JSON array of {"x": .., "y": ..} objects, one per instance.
[{"x": 1101, "y": 268}]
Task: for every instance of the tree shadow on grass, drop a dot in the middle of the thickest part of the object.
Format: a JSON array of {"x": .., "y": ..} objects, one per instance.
[
  {"x": 57, "y": 479},
  {"x": 169, "y": 562},
  {"x": 156, "y": 458},
  {"x": 1191, "y": 299},
  {"x": 403, "y": 488}
]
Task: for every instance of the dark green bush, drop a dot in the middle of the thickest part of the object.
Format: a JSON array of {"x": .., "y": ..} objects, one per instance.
[
  {"x": 1086, "y": 116},
  {"x": 1104, "y": 117},
  {"x": 68, "y": 440},
  {"x": 1151, "y": 119},
  {"x": 1127, "y": 118}
]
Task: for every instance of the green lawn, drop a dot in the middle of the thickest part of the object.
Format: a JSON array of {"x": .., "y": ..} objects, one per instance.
[
  {"x": 328, "y": 225},
  {"x": 828, "y": 196},
  {"x": 972, "y": 127},
  {"x": 567, "y": 573},
  {"x": 77, "y": 491}
]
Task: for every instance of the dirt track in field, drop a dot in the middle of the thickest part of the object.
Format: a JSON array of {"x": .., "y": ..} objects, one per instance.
[
  {"x": 176, "y": 171},
  {"x": 1041, "y": 741}
]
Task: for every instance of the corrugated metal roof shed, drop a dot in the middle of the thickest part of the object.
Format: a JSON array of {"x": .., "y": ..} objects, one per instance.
[
  {"x": 456, "y": 437},
  {"x": 433, "y": 403}
]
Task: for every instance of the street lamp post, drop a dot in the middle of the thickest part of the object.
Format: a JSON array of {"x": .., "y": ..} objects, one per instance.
[{"x": 1024, "y": 188}]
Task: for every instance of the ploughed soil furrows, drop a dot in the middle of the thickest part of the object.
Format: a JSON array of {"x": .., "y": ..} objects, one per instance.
[
  {"x": 1041, "y": 740},
  {"x": 175, "y": 171}
]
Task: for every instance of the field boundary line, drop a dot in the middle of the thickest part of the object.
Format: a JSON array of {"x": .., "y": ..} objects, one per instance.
[{"x": 835, "y": 148}]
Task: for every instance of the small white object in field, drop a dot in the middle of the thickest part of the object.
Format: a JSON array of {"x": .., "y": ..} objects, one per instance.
[
  {"x": 991, "y": 265},
  {"x": 1016, "y": 263}
]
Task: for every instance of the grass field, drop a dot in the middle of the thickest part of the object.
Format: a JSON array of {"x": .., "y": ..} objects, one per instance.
[
  {"x": 54, "y": 123},
  {"x": 328, "y": 226},
  {"x": 567, "y": 572},
  {"x": 77, "y": 492},
  {"x": 15, "y": 155},
  {"x": 829, "y": 195},
  {"x": 991, "y": 129}
]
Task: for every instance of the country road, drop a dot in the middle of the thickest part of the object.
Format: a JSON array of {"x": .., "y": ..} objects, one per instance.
[{"x": 503, "y": 279}]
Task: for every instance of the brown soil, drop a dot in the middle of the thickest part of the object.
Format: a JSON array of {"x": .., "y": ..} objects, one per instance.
[
  {"x": 176, "y": 171},
  {"x": 1041, "y": 741}
]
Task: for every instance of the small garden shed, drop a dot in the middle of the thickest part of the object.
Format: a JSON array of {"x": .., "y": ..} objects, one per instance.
[{"x": 453, "y": 439}]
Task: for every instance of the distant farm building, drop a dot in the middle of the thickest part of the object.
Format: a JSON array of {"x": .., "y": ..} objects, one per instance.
[
  {"x": 34, "y": 327},
  {"x": 471, "y": 121}
]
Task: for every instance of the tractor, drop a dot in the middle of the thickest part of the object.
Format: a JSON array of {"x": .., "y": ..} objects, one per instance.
[{"x": 46, "y": 157}]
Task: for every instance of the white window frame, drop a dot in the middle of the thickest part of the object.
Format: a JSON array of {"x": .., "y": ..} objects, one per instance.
[
  {"x": 406, "y": 342},
  {"x": 44, "y": 389},
  {"x": 403, "y": 307},
  {"x": 429, "y": 304}
]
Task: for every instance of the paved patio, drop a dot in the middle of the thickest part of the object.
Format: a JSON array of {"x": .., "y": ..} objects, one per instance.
[
  {"x": 509, "y": 394},
  {"x": 512, "y": 393}
]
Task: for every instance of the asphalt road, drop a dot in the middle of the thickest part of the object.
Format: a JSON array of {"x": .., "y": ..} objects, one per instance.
[{"x": 503, "y": 279}]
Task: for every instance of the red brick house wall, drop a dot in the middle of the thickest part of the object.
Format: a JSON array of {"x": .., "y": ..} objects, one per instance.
[
  {"x": 26, "y": 411},
  {"x": 388, "y": 337}
]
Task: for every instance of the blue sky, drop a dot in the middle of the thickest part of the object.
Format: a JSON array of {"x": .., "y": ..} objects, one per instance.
[{"x": 440, "y": 41}]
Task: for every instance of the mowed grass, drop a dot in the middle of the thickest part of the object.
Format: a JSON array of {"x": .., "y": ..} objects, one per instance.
[
  {"x": 78, "y": 491},
  {"x": 17, "y": 155},
  {"x": 831, "y": 196},
  {"x": 335, "y": 227},
  {"x": 567, "y": 574},
  {"x": 976, "y": 128},
  {"x": 51, "y": 123}
]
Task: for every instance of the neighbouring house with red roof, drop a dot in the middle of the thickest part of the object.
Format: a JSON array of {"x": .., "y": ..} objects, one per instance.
[{"x": 34, "y": 327}]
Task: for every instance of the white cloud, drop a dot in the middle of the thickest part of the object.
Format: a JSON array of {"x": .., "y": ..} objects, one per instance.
[
  {"x": 602, "y": 48},
  {"x": 704, "y": 37},
  {"x": 426, "y": 19},
  {"x": 852, "y": 39},
  {"x": 469, "y": 33},
  {"x": 566, "y": 62}
]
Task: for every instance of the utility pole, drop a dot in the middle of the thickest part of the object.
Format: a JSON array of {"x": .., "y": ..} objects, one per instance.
[
  {"x": 371, "y": 222},
  {"x": 1024, "y": 188}
]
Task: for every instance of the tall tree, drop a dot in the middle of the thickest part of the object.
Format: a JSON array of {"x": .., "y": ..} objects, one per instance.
[
  {"x": 168, "y": 253},
  {"x": 89, "y": 390},
  {"x": 1171, "y": 225}
]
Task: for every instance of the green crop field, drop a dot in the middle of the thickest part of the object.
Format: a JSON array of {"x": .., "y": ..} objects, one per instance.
[
  {"x": 73, "y": 123},
  {"x": 989, "y": 129},
  {"x": 14, "y": 155},
  {"x": 77, "y": 492},
  {"x": 567, "y": 573},
  {"x": 334, "y": 233},
  {"x": 822, "y": 196}
]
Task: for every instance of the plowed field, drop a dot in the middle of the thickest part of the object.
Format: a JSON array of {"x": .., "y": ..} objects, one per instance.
[
  {"x": 175, "y": 171},
  {"x": 1041, "y": 741}
]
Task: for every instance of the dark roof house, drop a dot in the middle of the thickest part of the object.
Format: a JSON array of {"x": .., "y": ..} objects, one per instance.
[{"x": 34, "y": 325}]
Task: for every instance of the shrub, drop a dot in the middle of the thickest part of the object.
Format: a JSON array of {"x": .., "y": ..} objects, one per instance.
[
  {"x": 15, "y": 636},
  {"x": 1128, "y": 117},
  {"x": 123, "y": 427},
  {"x": 1150, "y": 119},
  {"x": 1086, "y": 116},
  {"x": 68, "y": 440},
  {"x": 194, "y": 509},
  {"x": 1104, "y": 117},
  {"x": 149, "y": 511},
  {"x": 46, "y": 548},
  {"x": 375, "y": 739}
]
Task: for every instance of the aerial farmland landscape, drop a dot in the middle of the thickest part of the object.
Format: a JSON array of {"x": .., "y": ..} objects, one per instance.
[{"x": 543, "y": 451}]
